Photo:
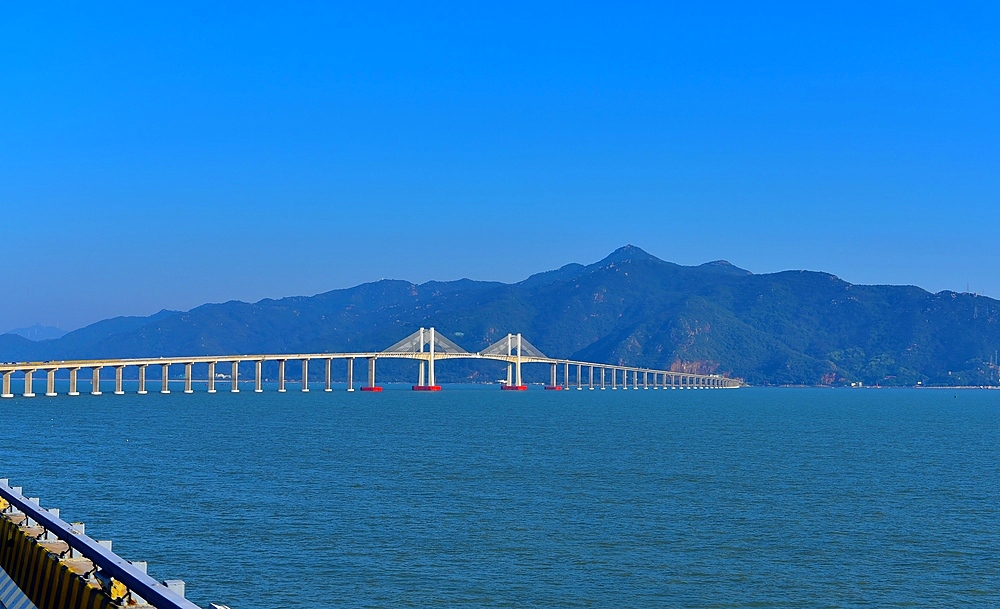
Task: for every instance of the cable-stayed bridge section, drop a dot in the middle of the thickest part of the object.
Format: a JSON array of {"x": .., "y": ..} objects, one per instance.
[{"x": 425, "y": 345}]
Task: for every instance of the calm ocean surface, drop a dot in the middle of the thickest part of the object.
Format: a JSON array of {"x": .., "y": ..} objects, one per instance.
[{"x": 480, "y": 498}]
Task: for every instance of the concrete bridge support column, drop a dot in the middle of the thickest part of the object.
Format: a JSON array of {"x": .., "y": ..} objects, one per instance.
[
  {"x": 211, "y": 377},
  {"x": 517, "y": 365},
  {"x": 165, "y": 378},
  {"x": 422, "y": 374},
  {"x": 6, "y": 386},
  {"x": 431, "y": 380},
  {"x": 29, "y": 390},
  {"x": 552, "y": 375},
  {"x": 645, "y": 380},
  {"x": 614, "y": 379},
  {"x": 566, "y": 375},
  {"x": 72, "y": 381},
  {"x": 281, "y": 376},
  {"x": 235, "y": 377},
  {"x": 579, "y": 377},
  {"x": 188, "y": 378},
  {"x": 258, "y": 377},
  {"x": 371, "y": 372},
  {"x": 50, "y": 383},
  {"x": 142, "y": 379},
  {"x": 510, "y": 373},
  {"x": 350, "y": 374},
  {"x": 119, "y": 382},
  {"x": 95, "y": 386},
  {"x": 305, "y": 376},
  {"x": 327, "y": 375},
  {"x": 603, "y": 387},
  {"x": 591, "y": 378}
]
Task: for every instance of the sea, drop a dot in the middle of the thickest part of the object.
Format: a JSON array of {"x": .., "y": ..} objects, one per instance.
[{"x": 476, "y": 497}]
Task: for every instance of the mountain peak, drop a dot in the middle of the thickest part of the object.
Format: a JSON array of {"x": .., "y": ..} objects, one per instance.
[
  {"x": 724, "y": 266},
  {"x": 629, "y": 253}
]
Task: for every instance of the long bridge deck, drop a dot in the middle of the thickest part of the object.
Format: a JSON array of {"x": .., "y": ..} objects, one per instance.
[{"x": 424, "y": 345}]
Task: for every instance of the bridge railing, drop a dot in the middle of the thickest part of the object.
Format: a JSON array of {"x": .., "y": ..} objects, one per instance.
[{"x": 117, "y": 577}]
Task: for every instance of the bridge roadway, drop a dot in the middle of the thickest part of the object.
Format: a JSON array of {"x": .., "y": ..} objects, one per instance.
[{"x": 517, "y": 353}]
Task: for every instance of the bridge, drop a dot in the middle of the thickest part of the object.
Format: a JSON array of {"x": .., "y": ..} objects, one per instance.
[{"x": 425, "y": 345}]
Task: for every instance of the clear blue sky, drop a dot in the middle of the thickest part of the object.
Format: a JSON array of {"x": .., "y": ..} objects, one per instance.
[{"x": 170, "y": 154}]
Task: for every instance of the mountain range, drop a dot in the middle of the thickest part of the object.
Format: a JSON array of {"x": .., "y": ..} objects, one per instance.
[{"x": 792, "y": 327}]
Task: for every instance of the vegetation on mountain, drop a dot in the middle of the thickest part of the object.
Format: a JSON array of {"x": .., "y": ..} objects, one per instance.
[{"x": 794, "y": 327}]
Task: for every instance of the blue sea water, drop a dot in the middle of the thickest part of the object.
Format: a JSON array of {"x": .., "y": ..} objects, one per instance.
[{"x": 475, "y": 497}]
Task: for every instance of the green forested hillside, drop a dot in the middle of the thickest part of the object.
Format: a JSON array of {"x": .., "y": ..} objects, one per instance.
[{"x": 795, "y": 327}]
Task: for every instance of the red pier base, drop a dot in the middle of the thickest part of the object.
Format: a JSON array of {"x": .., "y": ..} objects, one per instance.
[
  {"x": 371, "y": 388},
  {"x": 514, "y": 387},
  {"x": 553, "y": 388},
  {"x": 427, "y": 387}
]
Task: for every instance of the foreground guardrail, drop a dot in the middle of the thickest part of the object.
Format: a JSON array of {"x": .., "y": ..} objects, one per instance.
[{"x": 51, "y": 585}]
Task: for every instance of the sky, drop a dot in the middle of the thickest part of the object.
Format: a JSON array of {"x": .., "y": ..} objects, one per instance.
[{"x": 165, "y": 155}]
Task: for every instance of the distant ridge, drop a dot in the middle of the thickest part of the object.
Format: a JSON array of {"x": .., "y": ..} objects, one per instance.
[
  {"x": 38, "y": 332},
  {"x": 793, "y": 327}
]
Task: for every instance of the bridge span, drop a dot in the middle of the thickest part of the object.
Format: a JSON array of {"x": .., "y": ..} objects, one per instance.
[{"x": 425, "y": 345}]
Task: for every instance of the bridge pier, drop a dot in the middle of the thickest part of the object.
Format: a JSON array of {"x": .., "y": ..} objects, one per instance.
[
  {"x": 603, "y": 386},
  {"x": 305, "y": 376},
  {"x": 591, "y": 378},
  {"x": 328, "y": 376},
  {"x": 426, "y": 381},
  {"x": 142, "y": 379},
  {"x": 553, "y": 370},
  {"x": 579, "y": 377},
  {"x": 95, "y": 385},
  {"x": 5, "y": 392},
  {"x": 258, "y": 381},
  {"x": 431, "y": 380},
  {"x": 520, "y": 384},
  {"x": 566, "y": 375},
  {"x": 165, "y": 378},
  {"x": 281, "y": 376},
  {"x": 50, "y": 383},
  {"x": 211, "y": 377},
  {"x": 350, "y": 374},
  {"x": 119, "y": 382},
  {"x": 72, "y": 381},
  {"x": 29, "y": 390},
  {"x": 235, "y": 388},
  {"x": 188, "y": 380},
  {"x": 371, "y": 386}
]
